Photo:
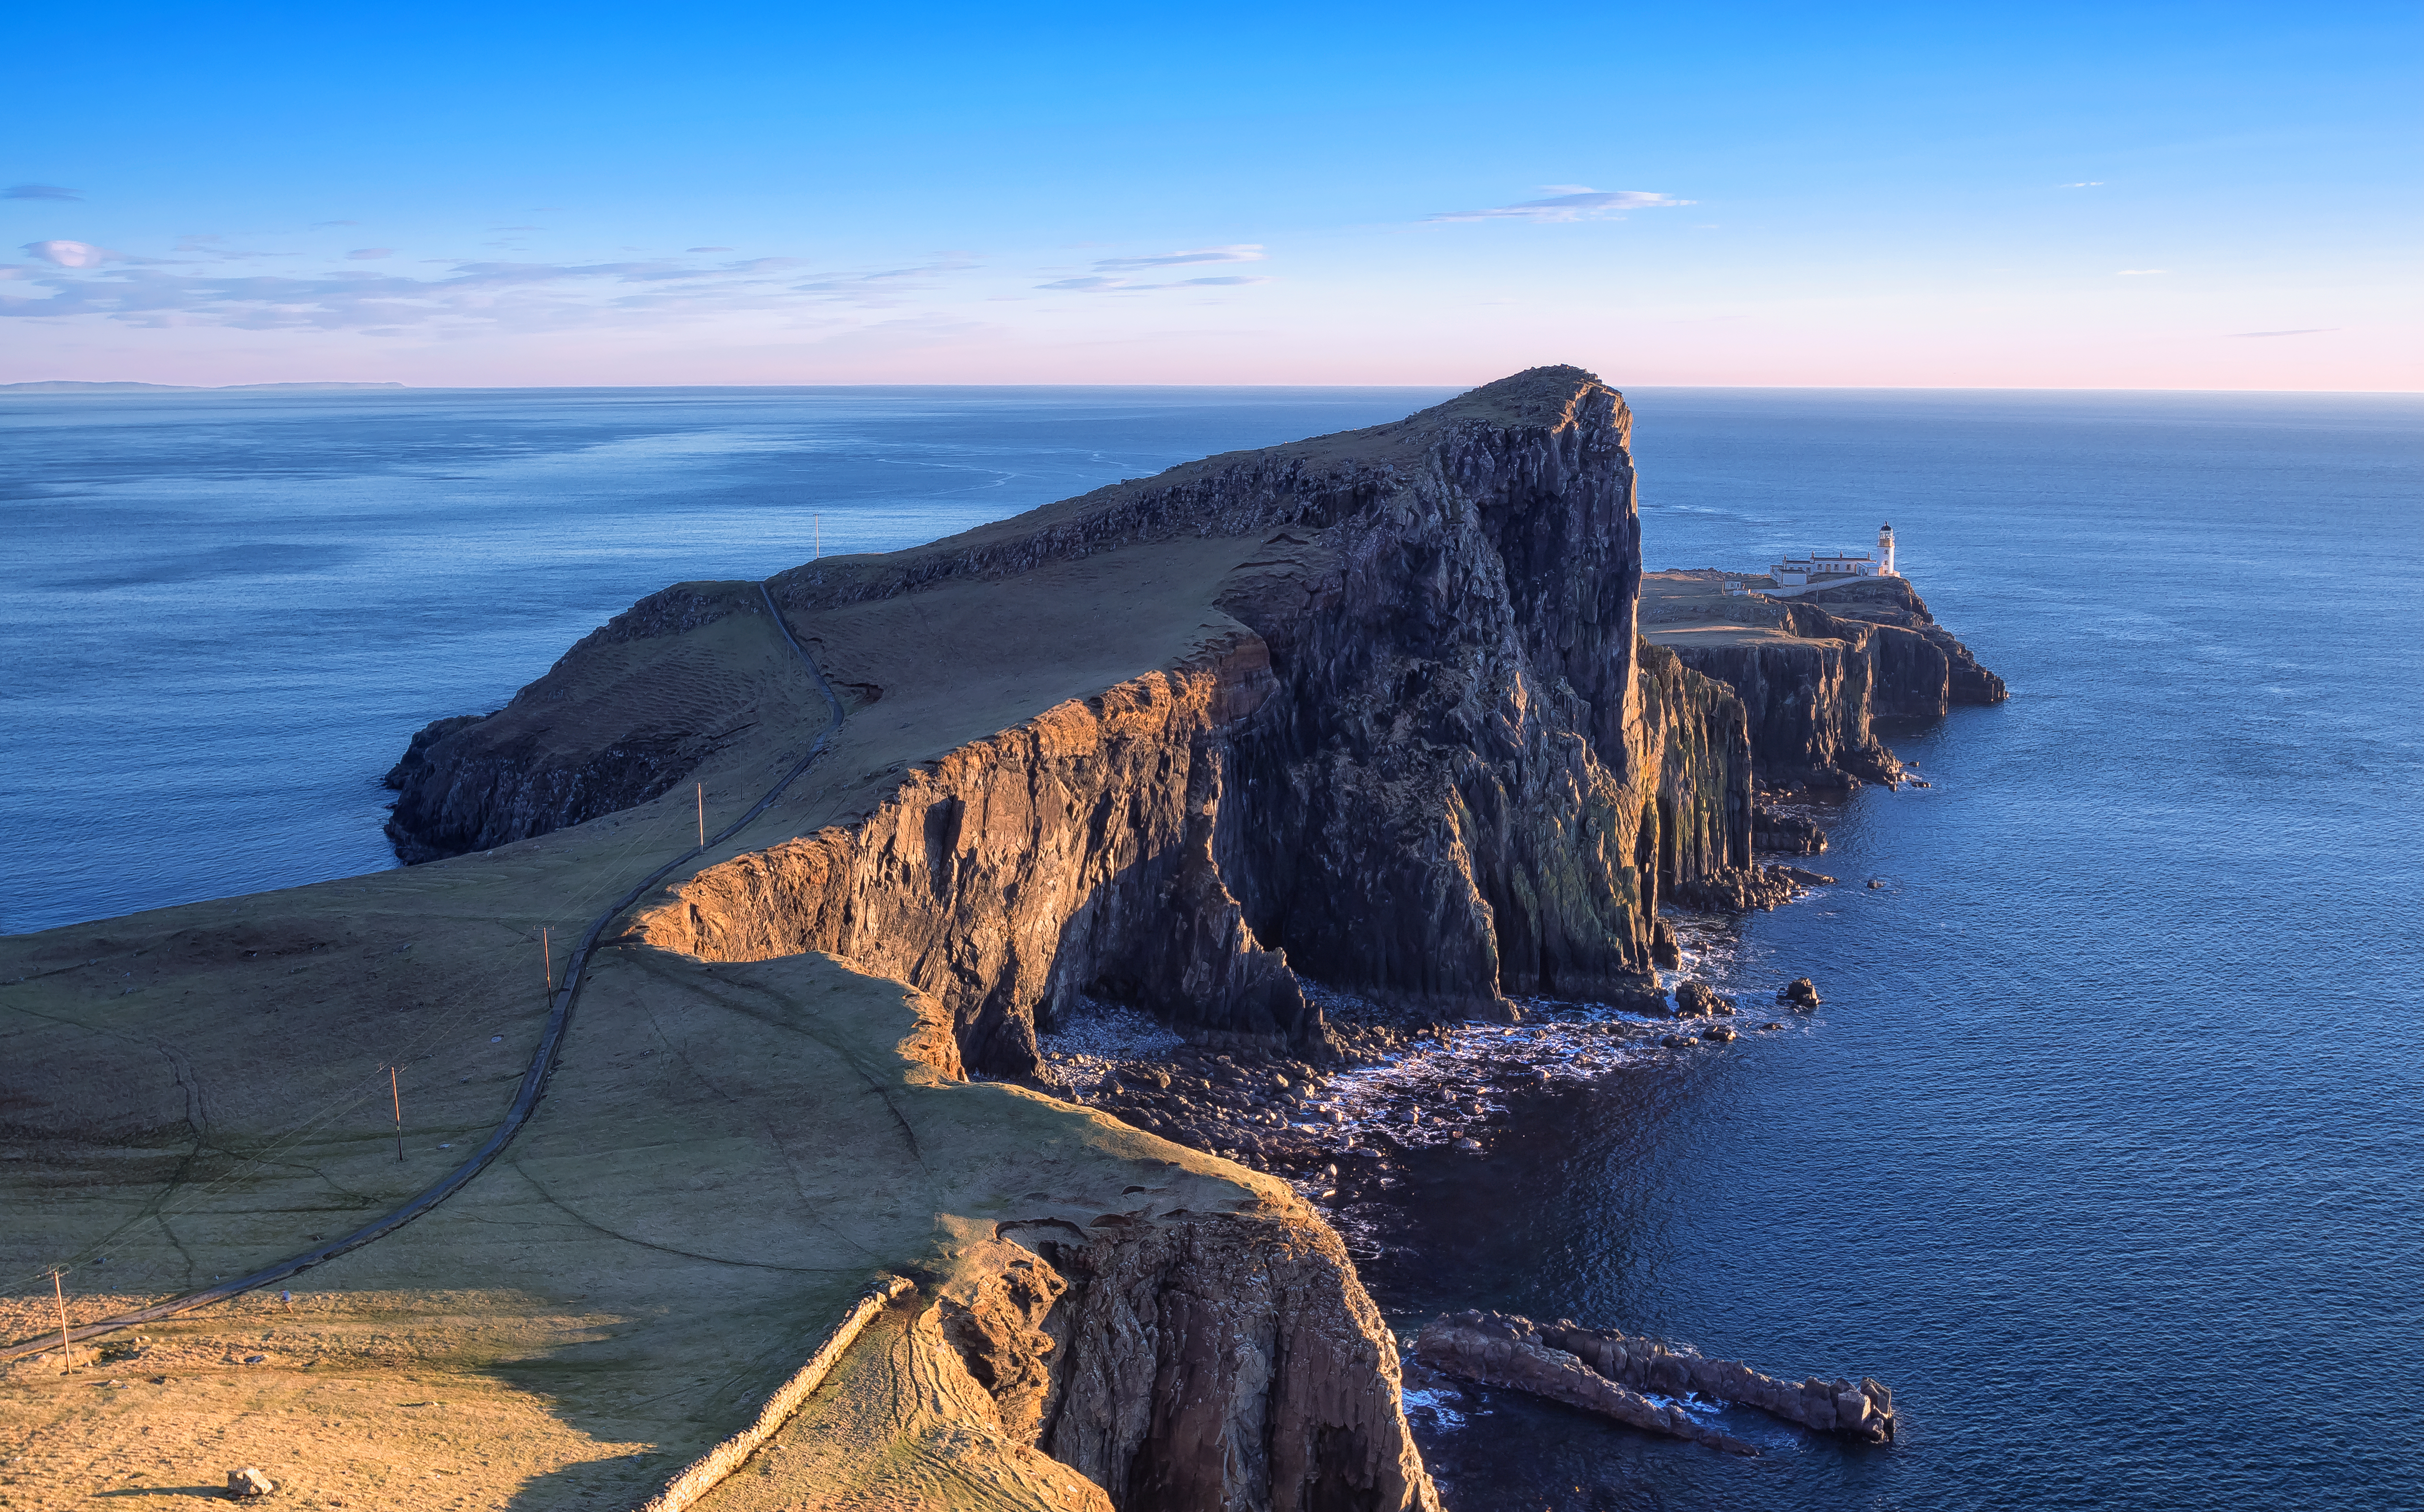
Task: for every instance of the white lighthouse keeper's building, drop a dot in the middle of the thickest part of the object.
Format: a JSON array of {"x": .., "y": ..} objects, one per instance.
[{"x": 1820, "y": 568}]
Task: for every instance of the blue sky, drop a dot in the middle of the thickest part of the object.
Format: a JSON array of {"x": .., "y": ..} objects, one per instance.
[{"x": 2110, "y": 196}]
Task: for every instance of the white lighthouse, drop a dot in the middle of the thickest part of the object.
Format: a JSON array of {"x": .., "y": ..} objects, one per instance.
[{"x": 1884, "y": 552}]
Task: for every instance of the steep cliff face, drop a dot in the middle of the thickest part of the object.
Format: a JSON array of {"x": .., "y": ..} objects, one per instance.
[
  {"x": 1071, "y": 854},
  {"x": 1371, "y": 707},
  {"x": 1186, "y": 1363},
  {"x": 1806, "y": 704},
  {"x": 1194, "y": 1364},
  {"x": 1415, "y": 753},
  {"x": 1440, "y": 805},
  {"x": 1813, "y": 672}
]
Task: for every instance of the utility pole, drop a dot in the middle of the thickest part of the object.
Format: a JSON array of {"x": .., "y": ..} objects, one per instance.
[
  {"x": 397, "y": 1098},
  {"x": 702, "y": 816},
  {"x": 547, "y": 961},
  {"x": 816, "y": 529},
  {"x": 58, "y": 1293}
]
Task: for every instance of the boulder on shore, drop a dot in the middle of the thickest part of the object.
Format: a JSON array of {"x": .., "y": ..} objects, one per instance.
[{"x": 1698, "y": 999}]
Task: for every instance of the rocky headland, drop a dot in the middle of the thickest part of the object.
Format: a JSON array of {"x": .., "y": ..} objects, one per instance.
[
  {"x": 1294, "y": 759},
  {"x": 1812, "y": 673}
]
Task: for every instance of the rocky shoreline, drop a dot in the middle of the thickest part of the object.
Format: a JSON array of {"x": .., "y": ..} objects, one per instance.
[{"x": 1389, "y": 1085}]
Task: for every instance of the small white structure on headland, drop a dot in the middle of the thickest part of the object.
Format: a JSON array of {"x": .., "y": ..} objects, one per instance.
[{"x": 1819, "y": 568}]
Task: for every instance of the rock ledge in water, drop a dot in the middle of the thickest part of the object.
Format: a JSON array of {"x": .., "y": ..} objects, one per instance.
[{"x": 1483, "y": 1347}]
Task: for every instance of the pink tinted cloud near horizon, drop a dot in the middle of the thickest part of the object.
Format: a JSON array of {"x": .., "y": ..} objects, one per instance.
[{"x": 1569, "y": 203}]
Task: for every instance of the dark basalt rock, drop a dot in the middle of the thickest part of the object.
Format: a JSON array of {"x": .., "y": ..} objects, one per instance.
[
  {"x": 1506, "y": 1350},
  {"x": 1698, "y": 999},
  {"x": 601, "y": 732},
  {"x": 1864, "y": 1411},
  {"x": 1801, "y": 993},
  {"x": 1664, "y": 949},
  {"x": 416, "y": 755},
  {"x": 1785, "y": 834},
  {"x": 1743, "y": 891},
  {"x": 1484, "y": 1348}
]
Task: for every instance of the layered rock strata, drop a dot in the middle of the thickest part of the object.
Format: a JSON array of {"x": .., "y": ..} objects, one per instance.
[{"x": 1518, "y": 1351}]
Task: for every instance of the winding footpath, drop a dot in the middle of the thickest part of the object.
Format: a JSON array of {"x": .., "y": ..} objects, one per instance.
[{"x": 535, "y": 1078}]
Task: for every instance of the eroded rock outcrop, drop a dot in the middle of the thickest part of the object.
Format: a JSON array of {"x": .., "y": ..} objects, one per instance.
[
  {"x": 1228, "y": 1360},
  {"x": 1497, "y": 1350},
  {"x": 1591, "y": 1367},
  {"x": 1864, "y": 1411}
]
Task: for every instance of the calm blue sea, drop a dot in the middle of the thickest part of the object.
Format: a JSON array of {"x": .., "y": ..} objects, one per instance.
[{"x": 2104, "y": 1151}]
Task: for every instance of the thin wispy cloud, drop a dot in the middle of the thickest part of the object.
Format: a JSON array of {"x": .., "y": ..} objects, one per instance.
[
  {"x": 1570, "y": 202},
  {"x": 364, "y": 254},
  {"x": 2303, "y": 330},
  {"x": 38, "y": 191},
  {"x": 1249, "y": 252},
  {"x": 706, "y": 250},
  {"x": 1113, "y": 283},
  {"x": 1112, "y": 274},
  {"x": 88, "y": 282},
  {"x": 2085, "y": 183}
]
